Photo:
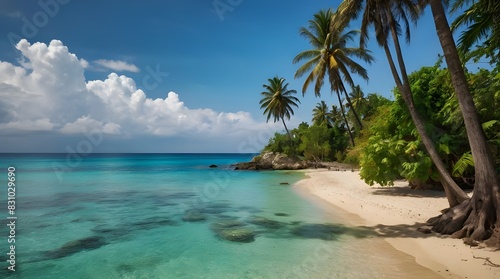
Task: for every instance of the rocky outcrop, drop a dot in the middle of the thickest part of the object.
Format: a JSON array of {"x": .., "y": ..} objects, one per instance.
[{"x": 273, "y": 161}]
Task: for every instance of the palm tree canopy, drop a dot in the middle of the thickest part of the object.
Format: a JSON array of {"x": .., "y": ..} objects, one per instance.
[
  {"x": 358, "y": 99},
  {"x": 381, "y": 14},
  {"x": 482, "y": 19},
  {"x": 321, "y": 114},
  {"x": 277, "y": 101},
  {"x": 330, "y": 54}
]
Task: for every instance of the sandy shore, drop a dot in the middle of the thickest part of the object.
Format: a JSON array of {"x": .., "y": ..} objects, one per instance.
[{"x": 394, "y": 213}]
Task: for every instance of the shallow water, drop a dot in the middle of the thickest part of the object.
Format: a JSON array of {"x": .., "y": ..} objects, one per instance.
[{"x": 170, "y": 216}]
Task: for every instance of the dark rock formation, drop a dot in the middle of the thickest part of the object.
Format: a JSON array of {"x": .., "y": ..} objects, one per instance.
[
  {"x": 264, "y": 222},
  {"x": 237, "y": 235},
  {"x": 273, "y": 161},
  {"x": 233, "y": 230},
  {"x": 281, "y": 214},
  {"x": 73, "y": 247},
  {"x": 213, "y": 166}
]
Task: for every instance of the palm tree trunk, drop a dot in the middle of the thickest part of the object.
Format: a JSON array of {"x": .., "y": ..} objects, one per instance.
[
  {"x": 345, "y": 119},
  {"x": 454, "y": 193},
  {"x": 288, "y": 132},
  {"x": 480, "y": 218}
]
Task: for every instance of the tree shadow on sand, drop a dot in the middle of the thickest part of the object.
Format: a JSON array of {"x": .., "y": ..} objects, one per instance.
[
  {"x": 408, "y": 192},
  {"x": 335, "y": 231}
]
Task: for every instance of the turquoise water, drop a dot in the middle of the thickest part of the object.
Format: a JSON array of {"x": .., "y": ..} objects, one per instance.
[{"x": 166, "y": 216}]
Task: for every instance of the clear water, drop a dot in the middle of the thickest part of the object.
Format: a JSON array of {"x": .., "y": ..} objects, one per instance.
[{"x": 127, "y": 216}]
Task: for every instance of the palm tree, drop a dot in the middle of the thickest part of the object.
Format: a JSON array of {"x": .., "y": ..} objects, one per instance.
[
  {"x": 321, "y": 114},
  {"x": 483, "y": 20},
  {"x": 383, "y": 15},
  {"x": 479, "y": 217},
  {"x": 358, "y": 101},
  {"x": 331, "y": 56},
  {"x": 337, "y": 117},
  {"x": 277, "y": 101}
]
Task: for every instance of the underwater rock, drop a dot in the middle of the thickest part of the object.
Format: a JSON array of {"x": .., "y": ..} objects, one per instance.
[
  {"x": 238, "y": 234},
  {"x": 284, "y": 183},
  {"x": 281, "y": 214},
  {"x": 233, "y": 230},
  {"x": 264, "y": 222},
  {"x": 151, "y": 223},
  {"x": 319, "y": 231},
  {"x": 213, "y": 166},
  {"x": 193, "y": 216},
  {"x": 75, "y": 246}
]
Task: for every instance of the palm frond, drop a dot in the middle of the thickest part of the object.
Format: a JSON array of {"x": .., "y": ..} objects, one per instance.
[
  {"x": 490, "y": 124},
  {"x": 461, "y": 166}
]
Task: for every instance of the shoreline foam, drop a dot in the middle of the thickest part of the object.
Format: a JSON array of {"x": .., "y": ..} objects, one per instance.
[{"x": 394, "y": 214}]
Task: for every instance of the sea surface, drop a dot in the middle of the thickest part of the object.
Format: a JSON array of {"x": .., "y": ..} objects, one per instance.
[{"x": 171, "y": 216}]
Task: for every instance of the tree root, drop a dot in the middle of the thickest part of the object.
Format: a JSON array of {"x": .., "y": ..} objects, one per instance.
[
  {"x": 469, "y": 219},
  {"x": 487, "y": 261}
]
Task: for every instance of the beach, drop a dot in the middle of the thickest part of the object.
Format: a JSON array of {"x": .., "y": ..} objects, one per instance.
[{"x": 394, "y": 214}]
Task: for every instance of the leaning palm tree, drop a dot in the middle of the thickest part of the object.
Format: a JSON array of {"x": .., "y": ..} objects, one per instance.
[
  {"x": 384, "y": 16},
  {"x": 479, "y": 217},
  {"x": 321, "y": 115},
  {"x": 331, "y": 56},
  {"x": 277, "y": 101}
]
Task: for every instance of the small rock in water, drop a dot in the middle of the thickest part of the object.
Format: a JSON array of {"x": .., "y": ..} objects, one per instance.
[
  {"x": 212, "y": 166},
  {"x": 193, "y": 216},
  {"x": 284, "y": 183},
  {"x": 281, "y": 214},
  {"x": 237, "y": 235}
]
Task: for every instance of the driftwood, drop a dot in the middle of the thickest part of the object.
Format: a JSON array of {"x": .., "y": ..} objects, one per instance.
[{"x": 487, "y": 261}]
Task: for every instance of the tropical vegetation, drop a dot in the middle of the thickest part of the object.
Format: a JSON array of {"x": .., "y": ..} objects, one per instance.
[{"x": 443, "y": 128}]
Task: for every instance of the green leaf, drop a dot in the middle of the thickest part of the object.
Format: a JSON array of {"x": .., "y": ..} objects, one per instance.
[
  {"x": 465, "y": 162},
  {"x": 489, "y": 124},
  {"x": 445, "y": 148}
]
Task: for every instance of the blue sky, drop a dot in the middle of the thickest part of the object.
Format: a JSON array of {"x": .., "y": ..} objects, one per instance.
[{"x": 115, "y": 62}]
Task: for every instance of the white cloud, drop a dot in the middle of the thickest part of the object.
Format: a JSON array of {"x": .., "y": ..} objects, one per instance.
[
  {"x": 117, "y": 65},
  {"x": 85, "y": 123},
  {"x": 48, "y": 92},
  {"x": 42, "y": 124},
  {"x": 84, "y": 63}
]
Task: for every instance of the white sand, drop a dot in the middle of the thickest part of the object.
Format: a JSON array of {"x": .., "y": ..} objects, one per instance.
[{"x": 395, "y": 213}]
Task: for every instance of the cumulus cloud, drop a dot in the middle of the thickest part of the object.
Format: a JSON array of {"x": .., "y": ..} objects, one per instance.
[
  {"x": 48, "y": 92},
  {"x": 42, "y": 124},
  {"x": 116, "y": 65}
]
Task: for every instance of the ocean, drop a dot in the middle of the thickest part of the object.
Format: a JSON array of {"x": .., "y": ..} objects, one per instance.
[{"x": 167, "y": 216}]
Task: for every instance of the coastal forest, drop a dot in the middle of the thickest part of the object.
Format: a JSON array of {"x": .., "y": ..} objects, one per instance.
[{"x": 442, "y": 128}]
